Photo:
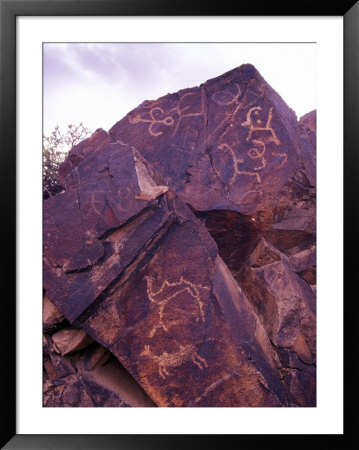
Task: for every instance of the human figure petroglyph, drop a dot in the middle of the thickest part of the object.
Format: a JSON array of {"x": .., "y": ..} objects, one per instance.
[
  {"x": 168, "y": 121},
  {"x": 93, "y": 202},
  {"x": 258, "y": 150},
  {"x": 167, "y": 360},
  {"x": 255, "y": 124},
  {"x": 166, "y": 293}
]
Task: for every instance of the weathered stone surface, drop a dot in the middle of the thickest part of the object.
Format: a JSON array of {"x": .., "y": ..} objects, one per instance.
[
  {"x": 102, "y": 383},
  {"x": 282, "y": 300},
  {"x": 310, "y": 120},
  {"x": 172, "y": 319},
  {"x": 294, "y": 227},
  {"x": 184, "y": 244},
  {"x": 94, "y": 356},
  {"x": 236, "y": 234},
  {"x": 229, "y": 141},
  {"x": 79, "y": 151},
  {"x": 69, "y": 340},
  {"x": 303, "y": 260},
  {"x": 285, "y": 304},
  {"x": 76, "y": 231},
  {"x": 51, "y": 316}
]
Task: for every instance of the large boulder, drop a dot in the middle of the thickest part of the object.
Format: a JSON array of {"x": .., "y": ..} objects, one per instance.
[{"x": 184, "y": 245}]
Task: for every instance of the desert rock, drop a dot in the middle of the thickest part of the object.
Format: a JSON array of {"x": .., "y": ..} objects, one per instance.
[{"x": 182, "y": 252}]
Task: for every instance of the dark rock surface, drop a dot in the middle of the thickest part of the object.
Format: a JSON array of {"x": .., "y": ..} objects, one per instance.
[{"x": 179, "y": 262}]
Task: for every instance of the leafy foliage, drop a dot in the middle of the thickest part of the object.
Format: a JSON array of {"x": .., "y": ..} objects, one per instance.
[{"x": 54, "y": 151}]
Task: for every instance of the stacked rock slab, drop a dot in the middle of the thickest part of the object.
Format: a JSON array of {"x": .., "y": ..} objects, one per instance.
[{"x": 184, "y": 246}]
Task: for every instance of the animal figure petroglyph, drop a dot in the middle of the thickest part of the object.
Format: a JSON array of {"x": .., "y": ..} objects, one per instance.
[
  {"x": 237, "y": 160},
  {"x": 167, "y": 360},
  {"x": 167, "y": 292},
  {"x": 255, "y": 123}
]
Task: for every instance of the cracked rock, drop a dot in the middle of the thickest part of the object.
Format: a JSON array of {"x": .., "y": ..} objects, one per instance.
[{"x": 180, "y": 260}]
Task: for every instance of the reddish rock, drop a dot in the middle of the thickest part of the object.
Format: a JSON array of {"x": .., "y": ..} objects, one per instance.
[
  {"x": 106, "y": 384},
  {"x": 310, "y": 120},
  {"x": 285, "y": 304},
  {"x": 69, "y": 340},
  {"x": 236, "y": 234},
  {"x": 93, "y": 357},
  {"x": 309, "y": 275},
  {"x": 51, "y": 316},
  {"x": 176, "y": 325},
  {"x": 79, "y": 151},
  {"x": 303, "y": 260},
  {"x": 283, "y": 301},
  {"x": 228, "y": 144},
  {"x": 184, "y": 244},
  {"x": 87, "y": 224}
]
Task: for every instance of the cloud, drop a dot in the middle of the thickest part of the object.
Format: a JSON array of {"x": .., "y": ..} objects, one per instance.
[{"x": 98, "y": 83}]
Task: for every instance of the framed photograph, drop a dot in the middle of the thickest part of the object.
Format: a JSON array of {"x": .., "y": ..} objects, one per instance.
[{"x": 174, "y": 276}]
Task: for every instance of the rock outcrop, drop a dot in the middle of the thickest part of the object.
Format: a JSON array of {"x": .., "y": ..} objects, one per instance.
[{"x": 179, "y": 262}]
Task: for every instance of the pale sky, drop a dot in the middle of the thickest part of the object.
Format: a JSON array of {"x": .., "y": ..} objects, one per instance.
[{"x": 98, "y": 84}]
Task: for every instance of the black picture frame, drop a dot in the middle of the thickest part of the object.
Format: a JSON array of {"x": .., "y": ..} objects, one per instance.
[{"x": 9, "y": 10}]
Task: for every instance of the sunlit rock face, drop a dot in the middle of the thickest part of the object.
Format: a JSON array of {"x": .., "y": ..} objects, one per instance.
[{"x": 180, "y": 260}]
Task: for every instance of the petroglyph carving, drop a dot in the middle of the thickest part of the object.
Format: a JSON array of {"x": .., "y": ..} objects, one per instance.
[
  {"x": 247, "y": 172},
  {"x": 229, "y": 98},
  {"x": 284, "y": 157},
  {"x": 167, "y": 292},
  {"x": 167, "y": 360},
  {"x": 124, "y": 191},
  {"x": 255, "y": 123},
  {"x": 94, "y": 202},
  {"x": 168, "y": 121},
  {"x": 255, "y": 153},
  {"x": 232, "y": 103},
  {"x": 237, "y": 160},
  {"x": 157, "y": 115},
  {"x": 225, "y": 97},
  {"x": 252, "y": 194},
  {"x": 180, "y": 110}
]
